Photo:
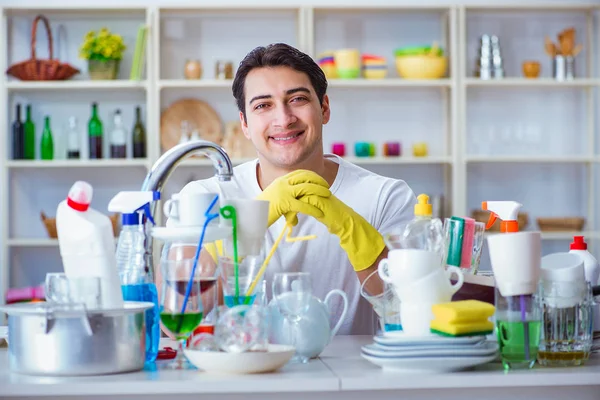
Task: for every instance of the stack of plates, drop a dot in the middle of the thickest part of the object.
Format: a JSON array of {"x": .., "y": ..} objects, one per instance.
[{"x": 400, "y": 352}]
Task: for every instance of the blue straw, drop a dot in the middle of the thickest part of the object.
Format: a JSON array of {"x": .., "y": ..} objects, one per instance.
[{"x": 209, "y": 217}]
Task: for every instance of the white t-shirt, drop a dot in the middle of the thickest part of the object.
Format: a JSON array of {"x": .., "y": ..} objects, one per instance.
[{"x": 385, "y": 202}]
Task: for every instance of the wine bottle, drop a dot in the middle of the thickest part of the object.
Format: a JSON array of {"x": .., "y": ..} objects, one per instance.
[
  {"x": 118, "y": 138},
  {"x": 139, "y": 136},
  {"x": 47, "y": 144},
  {"x": 73, "y": 145},
  {"x": 29, "y": 137},
  {"x": 18, "y": 131},
  {"x": 95, "y": 132}
]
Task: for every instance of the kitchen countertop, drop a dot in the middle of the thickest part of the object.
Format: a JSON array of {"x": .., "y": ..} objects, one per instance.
[{"x": 339, "y": 373}]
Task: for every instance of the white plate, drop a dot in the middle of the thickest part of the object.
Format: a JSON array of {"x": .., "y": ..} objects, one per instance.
[
  {"x": 485, "y": 349},
  {"x": 399, "y": 338},
  {"x": 191, "y": 234},
  {"x": 428, "y": 364},
  {"x": 241, "y": 363}
]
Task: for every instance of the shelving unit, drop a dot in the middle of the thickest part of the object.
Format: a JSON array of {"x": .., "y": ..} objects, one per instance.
[{"x": 465, "y": 121}]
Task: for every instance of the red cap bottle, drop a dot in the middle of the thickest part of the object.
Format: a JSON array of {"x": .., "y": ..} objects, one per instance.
[{"x": 578, "y": 243}]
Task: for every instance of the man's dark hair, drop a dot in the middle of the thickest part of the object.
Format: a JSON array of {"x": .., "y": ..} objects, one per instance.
[{"x": 277, "y": 55}]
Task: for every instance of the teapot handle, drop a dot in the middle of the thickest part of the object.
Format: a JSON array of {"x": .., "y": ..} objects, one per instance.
[{"x": 344, "y": 311}]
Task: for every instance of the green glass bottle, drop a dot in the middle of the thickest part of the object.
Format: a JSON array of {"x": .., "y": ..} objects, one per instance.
[
  {"x": 47, "y": 144},
  {"x": 29, "y": 139},
  {"x": 139, "y": 136},
  {"x": 95, "y": 132}
]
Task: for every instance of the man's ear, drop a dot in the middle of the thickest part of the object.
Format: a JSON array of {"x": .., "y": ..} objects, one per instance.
[
  {"x": 244, "y": 125},
  {"x": 325, "y": 109}
]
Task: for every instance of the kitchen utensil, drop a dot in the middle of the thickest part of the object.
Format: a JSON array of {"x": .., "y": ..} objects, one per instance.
[
  {"x": 400, "y": 339},
  {"x": 386, "y": 303},
  {"x": 201, "y": 116},
  {"x": 314, "y": 330},
  {"x": 84, "y": 342},
  {"x": 463, "y": 243},
  {"x": 550, "y": 47},
  {"x": 428, "y": 365},
  {"x": 242, "y": 328},
  {"x": 192, "y": 69},
  {"x": 426, "y": 66},
  {"x": 252, "y": 217},
  {"x": 239, "y": 275},
  {"x": 229, "y": 212},
  {"x": 85, "y": 290},
  {"x": 190, "y": 208},
  {"x": 481, "y": 349},
  {"x": 276, "y": 356}
]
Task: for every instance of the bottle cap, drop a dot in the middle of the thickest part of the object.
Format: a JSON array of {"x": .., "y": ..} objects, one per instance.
[
  {"x": 423, "y": 208},
  {"x": 80, "y": 196},
  {"x": 578, "y": 243}
]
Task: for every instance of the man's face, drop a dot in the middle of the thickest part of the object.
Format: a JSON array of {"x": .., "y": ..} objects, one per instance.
[{"x": 284, "y": 119}]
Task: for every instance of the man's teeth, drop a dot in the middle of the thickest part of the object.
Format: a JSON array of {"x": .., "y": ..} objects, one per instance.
[{"x": 286, "y": 138}]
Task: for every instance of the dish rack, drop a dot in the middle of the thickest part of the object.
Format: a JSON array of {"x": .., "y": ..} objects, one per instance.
[
  {"x": 561, "y": 224},
  {"x": 50, "y": 225},
  {"x": 484, "y": 216}
]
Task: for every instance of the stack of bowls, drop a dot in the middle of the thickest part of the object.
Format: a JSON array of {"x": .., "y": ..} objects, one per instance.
[
  {"x": 421, "y": 62},
  {"x": 374, "y": 67},
  {"x": 347, "y": 62},
  {"x": 327, "y": 63}
]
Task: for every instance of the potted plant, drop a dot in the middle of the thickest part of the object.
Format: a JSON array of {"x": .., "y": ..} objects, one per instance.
[{"x": 104, "y": 51}]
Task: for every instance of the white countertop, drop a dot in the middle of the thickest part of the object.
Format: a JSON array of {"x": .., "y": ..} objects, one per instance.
[{"x": 339, "y": 371}]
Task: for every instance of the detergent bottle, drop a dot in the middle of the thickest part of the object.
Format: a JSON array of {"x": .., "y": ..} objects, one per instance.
[
  {"x": 423, "y": 231},
  {"x": 87, "y": 244},
  {"x": 137, "y": 282}
]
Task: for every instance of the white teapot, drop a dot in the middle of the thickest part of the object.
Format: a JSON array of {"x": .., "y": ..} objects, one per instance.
[{"x": 315, "y": 331}]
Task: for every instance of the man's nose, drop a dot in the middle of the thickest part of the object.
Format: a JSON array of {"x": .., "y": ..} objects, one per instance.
[{"x": 284, "y": 117}]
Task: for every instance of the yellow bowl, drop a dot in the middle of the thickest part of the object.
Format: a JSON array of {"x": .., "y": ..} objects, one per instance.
[
  {"x": 330, "y": 70},
  {"x": 421, "y": 66},
  {"x": 375, "y": 73}
]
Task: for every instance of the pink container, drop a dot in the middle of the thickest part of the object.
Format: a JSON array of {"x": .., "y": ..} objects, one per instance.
[
  {"x": 392, "y": 149},
  {"x": 339, "y": 149}
]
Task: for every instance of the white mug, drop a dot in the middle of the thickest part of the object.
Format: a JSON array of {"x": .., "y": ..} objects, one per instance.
[
  {"x": 416, "y": 318},
  {"x": 407, "y": 265},
  {"x": 432, "y": 289},
  {"x": 189, "y": 208}
]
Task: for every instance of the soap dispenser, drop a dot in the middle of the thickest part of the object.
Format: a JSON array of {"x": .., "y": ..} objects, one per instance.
[{"x": 423, "y": 231}]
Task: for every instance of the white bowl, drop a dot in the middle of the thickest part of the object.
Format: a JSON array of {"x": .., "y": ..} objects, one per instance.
[{"x": 241, "y": 363}]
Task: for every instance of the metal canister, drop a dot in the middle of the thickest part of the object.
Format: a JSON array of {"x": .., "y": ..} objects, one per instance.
[
  {"x": 563, "y": 68},
  {"x": 67, "y": 340}
]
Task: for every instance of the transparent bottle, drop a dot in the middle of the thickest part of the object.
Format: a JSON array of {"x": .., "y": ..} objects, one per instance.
[
  {"x": 118, "y": 138},
  {"x": 73, "y": 142},
  {"x": 423, "y": 232}
]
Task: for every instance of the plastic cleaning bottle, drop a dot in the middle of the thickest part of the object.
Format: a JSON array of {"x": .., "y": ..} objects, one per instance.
[
  {"x": 87, "y": 243},
  {"x": 423, "y": 231},
  {"x": 507, "y": 211},
  {"x": 137, "y": 282},
  {"x": 590, "y": 264}
]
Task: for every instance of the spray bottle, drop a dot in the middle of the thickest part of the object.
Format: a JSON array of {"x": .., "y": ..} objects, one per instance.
[
  {"x": 137, "y": 282},
  {"x": 515, "y": 258}
]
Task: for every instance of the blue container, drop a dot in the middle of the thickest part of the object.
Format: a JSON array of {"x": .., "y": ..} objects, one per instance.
[{"x": 147, "y": 292}]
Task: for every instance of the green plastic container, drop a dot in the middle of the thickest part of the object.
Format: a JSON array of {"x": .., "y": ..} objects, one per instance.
[{"x": 416, "y": 51}]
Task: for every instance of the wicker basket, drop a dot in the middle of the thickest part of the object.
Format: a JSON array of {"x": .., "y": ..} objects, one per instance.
[
  {"x": 50, "y": 224},
  {"x": 41, "y": 70},
  {"x": 484, "y": 216},
  {"x": 561, "y": 224}
]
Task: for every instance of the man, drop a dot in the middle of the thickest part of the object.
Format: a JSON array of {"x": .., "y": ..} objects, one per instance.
[{"x": 283, "y": 105}]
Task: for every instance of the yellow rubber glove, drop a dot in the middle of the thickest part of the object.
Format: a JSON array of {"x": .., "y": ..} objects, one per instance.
[
  {"x": 359, "y": 239},
  {"x": 284, "y": 193}
]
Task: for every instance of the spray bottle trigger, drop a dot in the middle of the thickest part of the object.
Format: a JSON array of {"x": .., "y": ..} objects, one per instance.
[
  {"x": 146, "y": 209},
  {"x": 492, "y": 220}
]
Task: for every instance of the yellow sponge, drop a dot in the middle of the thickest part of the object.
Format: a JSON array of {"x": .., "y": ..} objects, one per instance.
[
  {"x": 463, "y": 311},
  {"x": 473, "y": 328}
]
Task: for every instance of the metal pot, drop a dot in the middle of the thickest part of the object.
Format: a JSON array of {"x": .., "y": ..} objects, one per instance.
[{"x": 68, "y": 340}]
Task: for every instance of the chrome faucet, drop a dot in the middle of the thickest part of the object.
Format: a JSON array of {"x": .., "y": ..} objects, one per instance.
[{"x": 166, "y": 164}]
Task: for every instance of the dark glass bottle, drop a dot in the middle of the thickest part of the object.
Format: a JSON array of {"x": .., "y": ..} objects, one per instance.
[
  {"x": 47, "y": 143},
  {"x": 18, "y": 136},
  {"x": 139, "y": 136},
  {"x": 95, "y": 133},
  {"x": 29, "y": 138}
]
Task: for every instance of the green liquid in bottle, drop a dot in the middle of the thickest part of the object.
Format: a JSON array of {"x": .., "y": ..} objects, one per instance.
[
  {"x": 511, "y": 339},
  {"x": 47, "y": 143},
  {"x": 180, "y": 324}
]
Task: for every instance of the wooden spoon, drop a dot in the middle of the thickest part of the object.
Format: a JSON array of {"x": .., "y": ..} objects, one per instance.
[
  {"x": 577, "y": 49},
  {"x": 550, "y": 47}
]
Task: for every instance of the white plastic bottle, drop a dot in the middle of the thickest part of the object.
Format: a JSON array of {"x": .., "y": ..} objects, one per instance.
[
  {"x": 87, "y": 243},
  {"x": 590, "y": 264},
  {"x": 423, "y": 231}
]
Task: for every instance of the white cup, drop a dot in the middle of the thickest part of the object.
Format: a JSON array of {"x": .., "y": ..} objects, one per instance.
[
  {"x": 563, "y": 267},
  {"x": 416, "y": 318},
  {"x": 403, "y": 266},
  {"x": 252, "y": 223},
  {"x": 189, "y": 208},
  {"x": 434, "y": 288},
  {"x": 516, "y": 260}
]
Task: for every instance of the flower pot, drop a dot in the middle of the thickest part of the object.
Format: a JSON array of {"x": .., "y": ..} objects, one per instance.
[{"x": 103, "y": 69}]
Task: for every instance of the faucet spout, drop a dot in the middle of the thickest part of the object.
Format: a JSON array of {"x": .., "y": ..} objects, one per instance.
[{"x": 166, "y": 164}]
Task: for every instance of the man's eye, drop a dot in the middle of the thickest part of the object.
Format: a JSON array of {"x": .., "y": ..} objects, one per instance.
[
  {"x": 299, "y": 98},
  {"x": 259, "y": 106}
]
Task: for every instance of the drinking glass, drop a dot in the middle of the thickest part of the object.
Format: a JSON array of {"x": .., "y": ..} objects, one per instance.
[
  {"x": 85, "y": 290},
  {"x": 180, "y": 316},
  {"x": 236, "y": 287},
  {"x": 292, "y": 293}
]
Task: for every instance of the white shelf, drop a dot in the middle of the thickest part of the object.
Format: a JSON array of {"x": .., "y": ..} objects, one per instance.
[
  {"x": 205, "y": 162},
  {"x": 17, "y": 164},
  {"x": 523, "y": 82},
  {"x": 389, "y": 82},
  {"x": 569, "y": 235},
  {"x": 14, "y": 86},
  {"x": 399, "y": 160},
  {"x": 531, "y": 159},
  {"x": 194, "y": 83},
  {"x": 33, "y": 242}
]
